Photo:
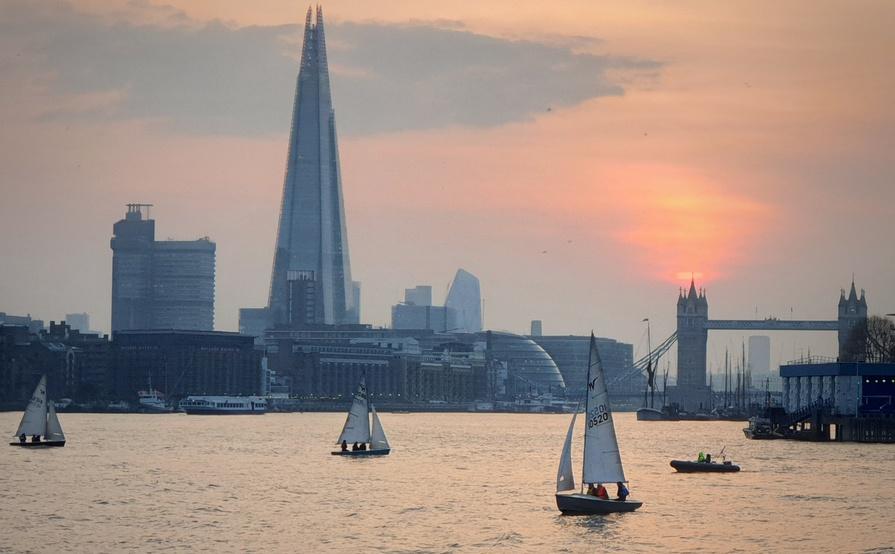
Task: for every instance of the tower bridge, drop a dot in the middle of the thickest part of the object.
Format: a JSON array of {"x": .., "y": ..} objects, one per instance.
[{"x": 693, "y": 325}]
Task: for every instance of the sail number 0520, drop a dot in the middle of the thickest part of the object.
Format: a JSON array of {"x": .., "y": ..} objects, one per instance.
[{"x": 598, "y": 415}]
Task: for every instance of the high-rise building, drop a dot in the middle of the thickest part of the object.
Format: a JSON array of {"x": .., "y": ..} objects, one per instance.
[
  {"x": 311, "y": 278},
  {"x": 759, "y": 359},
  {"x": 420, "y": 295},
  {"x": 79, "y": 322},
  {"x": 183, "y": 284},
  {"x": 159, "y": 284},
  {"x": 465, "y": 297},
  {"x": 417, "y": 312},
  {"x": 537, "y": 328}
]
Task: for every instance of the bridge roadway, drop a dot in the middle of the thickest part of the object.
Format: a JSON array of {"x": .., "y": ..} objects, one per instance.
[{"x": 770, "y": 325}]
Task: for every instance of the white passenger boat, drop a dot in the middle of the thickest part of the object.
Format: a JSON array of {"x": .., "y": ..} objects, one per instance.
[
  {"x": 153, "y": 402},
  {"x": 224, "y": 405}
]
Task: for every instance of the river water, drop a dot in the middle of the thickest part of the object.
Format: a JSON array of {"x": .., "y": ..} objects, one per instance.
[{"x": 453, "y": 483}]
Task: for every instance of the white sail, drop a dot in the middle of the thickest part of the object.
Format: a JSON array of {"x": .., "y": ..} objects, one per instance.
[
  {"x": 357, "y": 424},
  {"x": 602, "y": 461},
  {"x": 34, "y": 421},
  {"x": 565, "y": 479},
  {"x": 54, "y": 428},
  {"x": 378, "y": 438}
]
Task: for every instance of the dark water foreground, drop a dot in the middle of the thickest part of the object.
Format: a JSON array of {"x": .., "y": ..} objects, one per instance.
[{"x": 453, "y": 483}]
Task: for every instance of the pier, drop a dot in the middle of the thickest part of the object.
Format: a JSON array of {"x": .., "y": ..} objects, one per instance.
[{"x": 836, "y": 401}]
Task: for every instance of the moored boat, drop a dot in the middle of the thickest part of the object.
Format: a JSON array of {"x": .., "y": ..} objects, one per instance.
[
  {"x": 153, "y": 402},
  {"x": 687, "y": 466},
  {"x": 358, "y": 431},
  {"x": 224, "y": 405},
  {"x": 39, "y": 422},
  {"x": 760, "y": 428},
  {"x": 650, "y": 414},
  {"x": 602, "y": 459}
]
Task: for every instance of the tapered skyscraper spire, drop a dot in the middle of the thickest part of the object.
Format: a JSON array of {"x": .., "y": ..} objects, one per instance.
[{"x": 311, "y": 278}]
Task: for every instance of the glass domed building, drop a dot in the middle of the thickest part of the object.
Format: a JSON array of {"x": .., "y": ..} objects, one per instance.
[{"x": 530, "y": 370}]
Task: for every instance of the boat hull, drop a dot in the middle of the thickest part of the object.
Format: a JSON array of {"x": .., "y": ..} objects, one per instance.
[
  {"x": 584, "y": 504},
  {"x": 686, "y": 466},
  {"x": 41, "y": 444},
  {"x": 650, "y": 414},
  {"x": 222, "y": 411},
  {"x": 379, "y": 452},
  {"x": 760, "y": 435}
]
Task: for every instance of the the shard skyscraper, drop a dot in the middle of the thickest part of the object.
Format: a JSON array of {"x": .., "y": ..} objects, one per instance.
[{"x": 311, "y": 278}]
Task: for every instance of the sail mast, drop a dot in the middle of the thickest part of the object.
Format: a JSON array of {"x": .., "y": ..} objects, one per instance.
[
  {"x": 590, "y": 350},
  {"x": 369, "y": 405},
  {"x": 650, "y": 370}
]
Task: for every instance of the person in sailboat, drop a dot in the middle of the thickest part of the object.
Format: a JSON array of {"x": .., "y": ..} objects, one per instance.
[
  {"x": 622, "y": 491},
  {"x": 363, "y": 446},
  {"x": 701, "y": 457},
  {"x": 35, "y": 438},
  {"x": 601, "y": 492},
  {"x": 22, "y": 438},
  {"x": 344, "y": 445},
  {"x": 355, "y": 447}
]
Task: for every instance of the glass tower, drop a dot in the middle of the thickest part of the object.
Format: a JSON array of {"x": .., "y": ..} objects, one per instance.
[{"x": 311, "y": 278}]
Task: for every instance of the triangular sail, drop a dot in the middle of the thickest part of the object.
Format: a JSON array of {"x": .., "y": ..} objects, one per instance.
[
  {"x": 378, "y": 438},
  {"x": 602, "y": 460},
  {"x": 54, "y": 428},
  {"x": 357, "y": 424},
  {"x": 565, "y": 479},
  {"x": 34, "y": 420}
]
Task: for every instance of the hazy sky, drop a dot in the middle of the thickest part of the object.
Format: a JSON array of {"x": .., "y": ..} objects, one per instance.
[{"x": 581, "y": 158}]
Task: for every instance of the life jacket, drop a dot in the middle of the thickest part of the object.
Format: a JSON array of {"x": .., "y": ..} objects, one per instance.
[{"x": 601, "y": 492}]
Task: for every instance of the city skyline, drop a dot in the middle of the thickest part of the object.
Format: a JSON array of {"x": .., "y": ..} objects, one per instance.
[{"x": 728, "y": 162}]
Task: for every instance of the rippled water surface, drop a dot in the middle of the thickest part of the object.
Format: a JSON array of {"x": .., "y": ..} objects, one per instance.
[{"x": 453, "y": 483}]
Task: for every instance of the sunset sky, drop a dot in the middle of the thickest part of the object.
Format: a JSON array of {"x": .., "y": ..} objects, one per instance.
[{"x": 581, "y": 158}]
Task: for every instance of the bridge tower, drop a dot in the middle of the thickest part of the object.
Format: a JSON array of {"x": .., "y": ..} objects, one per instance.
[
  {"x": 692, "y": 338},
  {"x": 852, "y": 312}
]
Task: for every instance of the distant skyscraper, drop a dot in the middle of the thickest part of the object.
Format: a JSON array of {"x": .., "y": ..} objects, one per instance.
[
  {"x": 420, "y": 295},
  {"x": 465, "y": 296},
  {"x": 759, "y": 359},
  {"x": 311, "y": 278},
  {"x": 537, "y": 328},
  {"x": 159, "y": 285},
  {"x": 79, "y": 322}
]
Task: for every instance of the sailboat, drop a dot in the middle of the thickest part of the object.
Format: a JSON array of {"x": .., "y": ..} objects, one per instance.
[
  {"x": 602, "y": 460},
  {"x": 39, "y": 420},
  {"x": 357, "y": 428}
]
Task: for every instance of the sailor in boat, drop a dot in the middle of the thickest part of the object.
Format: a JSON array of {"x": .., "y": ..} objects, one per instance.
[
  {"x": 622, "y": 491},
  {"x": 344, "y": 446},
  {"x": 701, "y": 457},
  {"x": 599, "y": 491},
  {"x": 22, "y": 438},
  {"x": 35, "y": 438},
  {"x": 355, "y": 448}
]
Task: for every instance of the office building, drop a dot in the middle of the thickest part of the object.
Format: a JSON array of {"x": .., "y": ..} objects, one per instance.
[
  {"x": 465, "y": 297},
  {"x": 159, "y": 284}
]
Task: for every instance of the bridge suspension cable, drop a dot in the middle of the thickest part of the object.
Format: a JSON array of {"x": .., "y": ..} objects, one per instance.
[{"x": 640, "y": 365}]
